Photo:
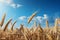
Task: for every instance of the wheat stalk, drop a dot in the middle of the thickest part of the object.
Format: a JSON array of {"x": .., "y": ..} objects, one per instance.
[
  {"x": 7, "y": 24},
  {"x": 13, "y": 25}
]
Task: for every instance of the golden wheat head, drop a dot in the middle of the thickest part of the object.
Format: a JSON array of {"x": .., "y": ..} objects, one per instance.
[
  {"x": 2, "y": 21},
  {"x": 47, "y": 25},
  {"x": 31, "y": 17},
  {"x": 41, "y": 30}
]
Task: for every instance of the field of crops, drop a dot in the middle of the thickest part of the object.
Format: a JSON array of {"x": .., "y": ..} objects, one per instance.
[{"x": 34, "y": 33}]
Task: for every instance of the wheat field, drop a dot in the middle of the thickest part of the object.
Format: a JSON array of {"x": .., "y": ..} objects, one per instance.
[{"x": 33, "y": 33}]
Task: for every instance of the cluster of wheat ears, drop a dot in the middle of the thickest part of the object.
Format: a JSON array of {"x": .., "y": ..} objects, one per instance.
[{"x": 34, "y": 33}]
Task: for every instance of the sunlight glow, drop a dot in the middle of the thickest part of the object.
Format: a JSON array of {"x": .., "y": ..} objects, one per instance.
[{"x": 1, "y": 1}]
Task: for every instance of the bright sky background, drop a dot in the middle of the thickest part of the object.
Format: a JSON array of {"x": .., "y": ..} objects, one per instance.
[{"x": 21, "y": 10}]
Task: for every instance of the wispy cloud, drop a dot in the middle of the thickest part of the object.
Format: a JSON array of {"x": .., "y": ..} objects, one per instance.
[
  {"x": 39, "y": 18},
  {"x": 10, "y": 3},
  {"x": 15, "y": 5},
  {"x": 22, "y": 17},
  {"x": 45, "y": 16},
  {"x": 42, "y": 18}
]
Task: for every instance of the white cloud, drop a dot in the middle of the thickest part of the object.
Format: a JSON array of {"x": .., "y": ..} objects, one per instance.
[
  {"x": 45, "y": 16},
  {"x": 10, "y": 3},
  {"x": 39, "y": 18},
  {"x": 22, "y": 17},
  {"x": 18, "y": 5},
  {"x": 15, "y": 5}
]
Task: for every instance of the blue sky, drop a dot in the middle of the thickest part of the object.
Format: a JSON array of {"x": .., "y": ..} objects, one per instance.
[{"x": 21, "y": 10}]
